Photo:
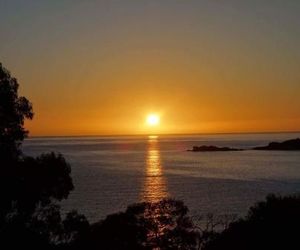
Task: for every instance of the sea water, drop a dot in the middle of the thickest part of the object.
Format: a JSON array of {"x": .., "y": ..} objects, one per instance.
[{"x": 111, "y": 172}]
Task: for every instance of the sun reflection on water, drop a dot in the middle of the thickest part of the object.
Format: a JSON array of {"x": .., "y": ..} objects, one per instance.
[{"x": 155, "y": 187}]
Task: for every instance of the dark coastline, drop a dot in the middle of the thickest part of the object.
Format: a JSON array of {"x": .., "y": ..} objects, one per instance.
[{"x": 288, "y": 145}]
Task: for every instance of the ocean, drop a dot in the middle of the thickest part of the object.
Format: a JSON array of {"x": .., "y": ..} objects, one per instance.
[{"x": 111, "y": 172}]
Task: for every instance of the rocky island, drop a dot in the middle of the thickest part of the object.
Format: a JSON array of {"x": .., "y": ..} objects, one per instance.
[
  {"x": 293, "y": 144},
  {"x": 205, "y": 148}
]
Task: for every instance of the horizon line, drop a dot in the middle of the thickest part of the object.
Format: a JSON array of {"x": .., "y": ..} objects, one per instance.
[{"x": 164, "y": 134}]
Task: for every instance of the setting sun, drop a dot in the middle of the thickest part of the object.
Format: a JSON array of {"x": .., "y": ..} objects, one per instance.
[
  {"x": 152, "y": 120},
  {"x": 163, "y": 115}
]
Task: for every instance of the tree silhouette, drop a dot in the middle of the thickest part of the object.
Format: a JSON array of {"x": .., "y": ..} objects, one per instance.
[
  {"x": 29, "y": 187},
  {"x": 159, "y": 225},
  {"x": 271, "y": 224},
  {"x": 13, "y": 112},
  {"x": 76, "y": 229}
]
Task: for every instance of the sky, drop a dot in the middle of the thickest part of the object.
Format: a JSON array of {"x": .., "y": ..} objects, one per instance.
[{"x": 99, "y": 67}]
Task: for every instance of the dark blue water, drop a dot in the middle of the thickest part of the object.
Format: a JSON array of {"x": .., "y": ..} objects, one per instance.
[{"x": 111, "y": 172}]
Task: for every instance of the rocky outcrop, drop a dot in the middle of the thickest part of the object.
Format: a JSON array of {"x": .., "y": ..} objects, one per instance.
[
  {"x": 286, "y": 145},
  {"x": 205, "y": 148}
]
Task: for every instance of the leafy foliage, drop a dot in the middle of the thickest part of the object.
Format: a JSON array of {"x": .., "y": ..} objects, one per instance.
[
  {"x": 13, "y": 112},
  {"x": 29, "y": 187},
  {"x": 159, "y": 225},
  {"x": 271, "y": 224}
]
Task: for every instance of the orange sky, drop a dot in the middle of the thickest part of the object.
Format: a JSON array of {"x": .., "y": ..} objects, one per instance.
[{"x": 100, "y": 68}]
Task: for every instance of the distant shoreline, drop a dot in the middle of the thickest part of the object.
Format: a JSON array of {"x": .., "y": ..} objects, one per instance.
[{"x": 287, "y": 145}]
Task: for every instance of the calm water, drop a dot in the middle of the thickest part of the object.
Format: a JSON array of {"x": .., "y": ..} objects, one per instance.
[{"x": 111, "y": 172}]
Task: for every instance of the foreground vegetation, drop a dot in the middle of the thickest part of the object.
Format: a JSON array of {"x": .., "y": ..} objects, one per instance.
[{"x": 31, "y": 189}]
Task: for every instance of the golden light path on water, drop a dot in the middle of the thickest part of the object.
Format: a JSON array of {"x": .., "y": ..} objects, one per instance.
[{"x": 155, "y": 186}]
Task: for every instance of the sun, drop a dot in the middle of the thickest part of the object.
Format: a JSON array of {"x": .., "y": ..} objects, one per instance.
[{"x": 152, "y": 120}]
